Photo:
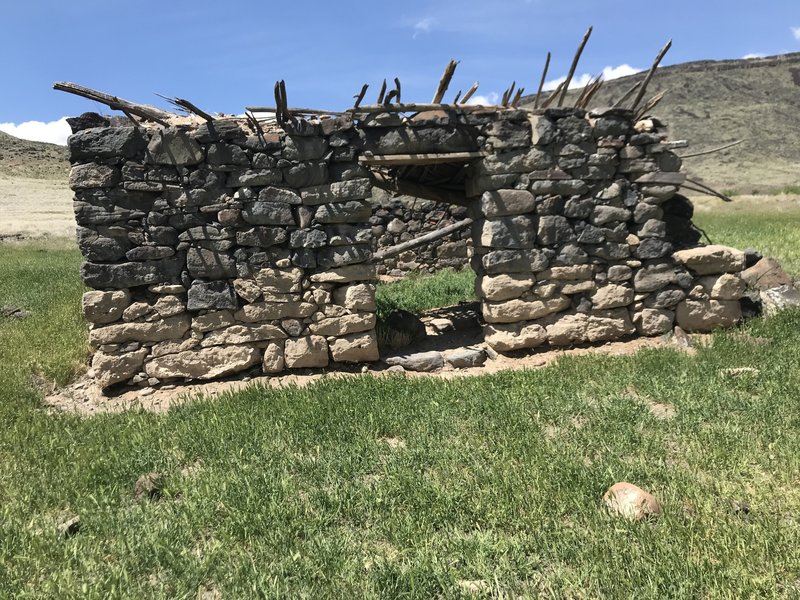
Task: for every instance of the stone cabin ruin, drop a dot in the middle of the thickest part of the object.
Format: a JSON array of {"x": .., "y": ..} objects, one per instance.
[{"x": 215, "y": 245}]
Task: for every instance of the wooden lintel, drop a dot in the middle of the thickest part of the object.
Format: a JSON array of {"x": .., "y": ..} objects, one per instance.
[{"x": 389, "y": 160}]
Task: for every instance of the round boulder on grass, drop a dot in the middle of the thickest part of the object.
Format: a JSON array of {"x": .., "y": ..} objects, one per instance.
[{"x": 631, "y": 502}]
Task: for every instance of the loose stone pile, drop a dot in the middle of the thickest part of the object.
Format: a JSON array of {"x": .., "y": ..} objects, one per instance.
[{"x": 214, "y": 248}]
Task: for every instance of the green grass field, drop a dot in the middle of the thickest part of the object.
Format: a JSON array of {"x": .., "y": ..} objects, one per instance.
[{"x": 387, "y": 487}]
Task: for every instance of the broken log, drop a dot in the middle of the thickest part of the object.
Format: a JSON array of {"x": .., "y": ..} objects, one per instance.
[
  {"x": 469, "y": 93},
  {"x": 517, "y": 97},
  {"x": 382, "y": 92},
  {"x": 651, "y": 104},
  {"x": 626, "y": 95},
  {"x": 696, "y": 186},
  {"x": 150, "y": 113},
  {"x": 423, "y": 239},
  {"x": 444, "y": 82},
  {"x": 360, "y": 96},
  {"x": 188, "y": 107},
  {"x": 554, "y": 95}
]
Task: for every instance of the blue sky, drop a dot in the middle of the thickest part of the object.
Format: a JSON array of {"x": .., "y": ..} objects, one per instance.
[{"x": 224, "y": 56}]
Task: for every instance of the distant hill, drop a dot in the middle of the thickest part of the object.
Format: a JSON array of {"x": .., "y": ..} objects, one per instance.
[
  {"x": 36, "y": 160},
  {"x": 710, "y": 103}
]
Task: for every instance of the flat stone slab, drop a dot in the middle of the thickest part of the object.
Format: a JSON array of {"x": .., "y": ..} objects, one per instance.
[
  {"x": 420, "y": 361},
  {"x": 465, "y": 358}
]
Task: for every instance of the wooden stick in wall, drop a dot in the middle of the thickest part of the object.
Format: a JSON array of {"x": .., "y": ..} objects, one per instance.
[{"x": 574, "y": 65}]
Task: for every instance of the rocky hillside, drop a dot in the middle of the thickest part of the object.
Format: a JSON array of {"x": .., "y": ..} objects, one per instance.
[
  {"x": 36, "y": 160},
  {"x": 710, "y": 103}
]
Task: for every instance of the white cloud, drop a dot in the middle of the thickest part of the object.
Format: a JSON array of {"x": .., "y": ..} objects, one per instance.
[
  {"x": 423, "y": 26},
  {"x": 753, "y": 55},
  {"x": 579, "y": 81},
  {"x": 796, "y": 33},
  {"x": 489, "y": 99},
  {"x": 54, "y": 132}
]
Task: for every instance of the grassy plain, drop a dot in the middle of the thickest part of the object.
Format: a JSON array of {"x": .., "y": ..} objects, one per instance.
[{"x": 420, "y": 488}]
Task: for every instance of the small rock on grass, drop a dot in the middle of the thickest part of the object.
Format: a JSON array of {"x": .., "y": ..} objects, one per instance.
[
  {"x": 736, "y": 372},
  {"x": 473, "y": 586},
  {"x": 14, "y": 312},
  {"x": 681, "y": 338},
  {"x": 631, "y": 502},
  {"x": 68, "y": 524},
  {"x": 149, "y": 486}
]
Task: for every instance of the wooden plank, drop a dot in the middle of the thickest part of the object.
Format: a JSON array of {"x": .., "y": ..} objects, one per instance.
[{"x": 420, "y": 159}]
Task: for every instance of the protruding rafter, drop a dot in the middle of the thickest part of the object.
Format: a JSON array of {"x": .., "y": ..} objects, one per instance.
[
  {"x": 470, "y": 92},
  {"x": 444, "y": 82},
  {"x": 574, "y": 65},
  {"x": 360, "y": 96},
  {"x": 149, "y": 113},
  {"x": 188, "y": 107},
  {"x": 541, "y": 82},
  {"x": 651, "y": 104},
  {"x": 382, "y": 92},
  {"x": 650, "y": 73}
]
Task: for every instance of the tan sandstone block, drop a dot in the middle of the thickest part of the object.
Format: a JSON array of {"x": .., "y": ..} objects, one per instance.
[{"x": 306, "y": 352}]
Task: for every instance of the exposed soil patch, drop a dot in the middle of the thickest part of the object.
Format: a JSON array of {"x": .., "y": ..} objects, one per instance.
[{"x": 86, "y": 398}]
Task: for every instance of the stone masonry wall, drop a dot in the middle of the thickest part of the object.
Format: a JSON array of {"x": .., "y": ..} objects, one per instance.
[
  {"x": 214, "y": 249},
  {"x": 397, "y": 220},
  {"x": 579, "y": 236}
]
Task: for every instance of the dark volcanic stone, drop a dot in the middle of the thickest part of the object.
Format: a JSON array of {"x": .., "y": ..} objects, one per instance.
[
  {"x": 343, "y": 255},
  {"x": 141, "y": 253},
  {"x": 268, "y": 213},
  {"x": 211, "y": 295},
  {"x": 218, "y": 130},
  {"x": 210, "y": 264},
  {"x": 87, "y": 120},
  {"x": 308, "y": 238},
  {"x": 106, "y": 142},
  {"x": 261, "y": 237},
  {"x": 131, "y": 274},
  {"x": 514, "y": 261}
]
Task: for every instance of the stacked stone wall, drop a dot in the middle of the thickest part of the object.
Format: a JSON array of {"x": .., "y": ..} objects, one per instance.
[
  {"x": 398, "y": 220},
  {"x": 214, "y": 248},
  {"x": 579, "y": 236}
]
